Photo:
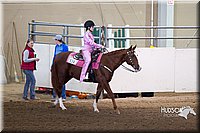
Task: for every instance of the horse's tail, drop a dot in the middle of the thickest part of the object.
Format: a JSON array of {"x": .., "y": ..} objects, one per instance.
[{"x": 54, "y": 76}]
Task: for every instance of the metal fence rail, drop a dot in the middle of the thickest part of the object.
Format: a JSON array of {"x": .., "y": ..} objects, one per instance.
[
  {"x": 55, "y": 24},
  {"x": 108, "y": 30},
  {"x": 32, "y": 32},
  {"x": 122, "y": 38},
  {"x": 123, "y": 41},
  {"x": 153, "y": 27}
]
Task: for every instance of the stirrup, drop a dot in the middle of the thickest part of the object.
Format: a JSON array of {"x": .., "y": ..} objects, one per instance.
[{"x": 87, "y": 80}]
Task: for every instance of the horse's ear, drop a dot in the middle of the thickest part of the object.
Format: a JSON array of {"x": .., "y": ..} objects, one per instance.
[
  {"x": 134, "y": 47},
  {"x": 130, "y": 48}
]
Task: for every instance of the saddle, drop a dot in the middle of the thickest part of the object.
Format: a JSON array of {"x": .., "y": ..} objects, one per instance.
[{"x": 94, "y": 56}]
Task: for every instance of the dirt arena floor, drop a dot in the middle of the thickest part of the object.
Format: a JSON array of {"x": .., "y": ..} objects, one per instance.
[{"x": 141, "y": 114}]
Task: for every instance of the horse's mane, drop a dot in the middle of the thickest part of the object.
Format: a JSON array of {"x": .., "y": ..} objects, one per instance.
[{"x": 114, "y": 52}]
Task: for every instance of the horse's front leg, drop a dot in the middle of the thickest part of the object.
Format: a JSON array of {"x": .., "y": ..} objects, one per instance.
[
  {"x": 98, "y": 93},
  {"x": 111, "y": 95},
  {"x": 106, "y": 86}
]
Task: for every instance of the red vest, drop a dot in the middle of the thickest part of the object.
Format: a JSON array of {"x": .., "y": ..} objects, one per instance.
[{"x": 28, "y": 65}]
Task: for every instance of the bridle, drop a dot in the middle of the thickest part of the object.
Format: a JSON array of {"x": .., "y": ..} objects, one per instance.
[
  {"x": 128, "y": 53},
  {"x": 132, "y": 64},
  {"x": 124, "y": 67}
]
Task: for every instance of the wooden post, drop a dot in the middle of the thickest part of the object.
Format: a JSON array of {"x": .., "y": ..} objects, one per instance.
[{"x": 18, "y": 52}]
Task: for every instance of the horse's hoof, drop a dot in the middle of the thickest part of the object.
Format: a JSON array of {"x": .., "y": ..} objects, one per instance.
[
  {"x": 64, "y": 108},
  {"x": 96, "y": 110},
  {"x": 117, "y": 111}
]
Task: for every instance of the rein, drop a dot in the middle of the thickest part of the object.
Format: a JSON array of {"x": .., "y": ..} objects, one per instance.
[
  {"x": 128, "y": 69},
  {"x": 124, "y": 67}
]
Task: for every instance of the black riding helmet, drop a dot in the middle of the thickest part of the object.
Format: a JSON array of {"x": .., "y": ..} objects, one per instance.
[{"x": 88, "y": 24}]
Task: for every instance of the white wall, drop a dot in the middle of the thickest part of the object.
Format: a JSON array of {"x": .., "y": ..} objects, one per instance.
[
  {"x": 42, "y": 74},
  {"x": 157, "y": 74},
  {"x": 163, "y": 70},
  {"x": 186, "y": 70}
]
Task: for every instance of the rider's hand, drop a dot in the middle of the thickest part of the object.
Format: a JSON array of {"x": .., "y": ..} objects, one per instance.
[{"x": 37, "y": 59}]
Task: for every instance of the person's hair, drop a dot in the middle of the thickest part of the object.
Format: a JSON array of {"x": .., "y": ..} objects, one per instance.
[
  {"x": 28, "y": 40},
  {"x": 61, "y": 41},
  {"x": 87, "y": 28}
]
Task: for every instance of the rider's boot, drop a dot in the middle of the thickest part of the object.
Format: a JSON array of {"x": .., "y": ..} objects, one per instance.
[{"x": 87, "y": 78}]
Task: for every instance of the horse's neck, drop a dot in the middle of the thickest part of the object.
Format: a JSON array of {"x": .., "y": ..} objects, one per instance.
[{"x": 116, "y": 58}]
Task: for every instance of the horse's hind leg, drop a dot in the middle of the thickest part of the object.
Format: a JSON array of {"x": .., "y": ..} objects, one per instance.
[
  {"x": 61, "y": 104},
  {"x": 59, "y": 99},
  {"x": 98, "y": 93}
]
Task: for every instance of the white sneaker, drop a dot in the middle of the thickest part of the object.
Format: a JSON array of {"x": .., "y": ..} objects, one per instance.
[
  {"x": 63, "y": 99},
  {"x": 35, "y": 98}
]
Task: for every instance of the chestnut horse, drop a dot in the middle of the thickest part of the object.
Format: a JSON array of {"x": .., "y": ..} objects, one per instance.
[{"x": 62, "y": 72}]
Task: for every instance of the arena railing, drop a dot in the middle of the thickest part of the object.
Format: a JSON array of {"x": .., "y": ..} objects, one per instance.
[
  {"x": 32, "y": 30},
  {"x": 109, "y": 37}
]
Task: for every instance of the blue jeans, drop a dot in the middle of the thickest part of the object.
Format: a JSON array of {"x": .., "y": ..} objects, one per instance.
[
  {"x": 63, "y": 95},
  {"x": 30, "y": 82}
]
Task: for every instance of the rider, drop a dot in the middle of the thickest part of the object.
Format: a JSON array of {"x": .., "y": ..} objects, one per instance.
[{"x": 88, "y": 47}]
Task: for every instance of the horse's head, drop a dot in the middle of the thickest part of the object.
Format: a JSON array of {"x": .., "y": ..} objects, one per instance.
[
  {"x": 131, "y": 59},
  {"x": 187, "y": 109},
  {"x": 192, "y": 111}
]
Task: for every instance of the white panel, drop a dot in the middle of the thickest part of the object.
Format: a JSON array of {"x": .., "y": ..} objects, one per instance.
[
  {"x": 42, "y": 73},
  {"x": 3, "y": 79},
  {"x": 157, "y": 74},
  {"x": 159, "y": 71},
  {"x": 75, "y": 85},
  {"x": 186, "y": 66},
  {"x": 51, "y": 54}
]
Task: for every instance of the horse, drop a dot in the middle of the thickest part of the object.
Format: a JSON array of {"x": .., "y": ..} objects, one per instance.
[
  {"x": 185, "y": 111},
  {"x": 62, "y": 72}
]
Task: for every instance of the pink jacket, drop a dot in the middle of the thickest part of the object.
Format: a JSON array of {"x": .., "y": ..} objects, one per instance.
[{"x": 89, "y": 43}]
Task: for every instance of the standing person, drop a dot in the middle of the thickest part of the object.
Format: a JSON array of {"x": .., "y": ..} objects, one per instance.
[
  {"x": 88, "y": 47},
  {"x": 28, "y": 66},
  {"x": 60, "y": 47}
]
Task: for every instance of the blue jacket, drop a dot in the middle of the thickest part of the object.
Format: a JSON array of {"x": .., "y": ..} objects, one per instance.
[{"x": 64, "y": 48}]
